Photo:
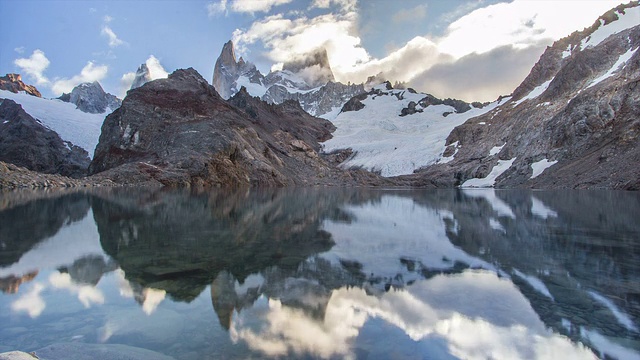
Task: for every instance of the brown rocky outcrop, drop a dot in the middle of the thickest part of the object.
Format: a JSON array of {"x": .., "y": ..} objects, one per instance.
[
  {"x": 13, "y": 83},
  {"x": 180, "y": 132}
]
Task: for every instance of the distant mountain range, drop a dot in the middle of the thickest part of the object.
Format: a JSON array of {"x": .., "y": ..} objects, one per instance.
[
  {"x": 308, "y": 80},
  {"x": 574, "y": 122}
]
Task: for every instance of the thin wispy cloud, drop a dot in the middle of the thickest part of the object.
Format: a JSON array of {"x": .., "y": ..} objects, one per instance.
[{"x": 113, "y": 39}]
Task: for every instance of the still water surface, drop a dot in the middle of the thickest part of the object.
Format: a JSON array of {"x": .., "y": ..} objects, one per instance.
[{"x": 321, "y": 273}]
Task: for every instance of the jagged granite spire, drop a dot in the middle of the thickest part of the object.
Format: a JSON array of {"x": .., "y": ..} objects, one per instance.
[
  {"x": 142, "y": 76},
  {"x": 225, "y": 71}
]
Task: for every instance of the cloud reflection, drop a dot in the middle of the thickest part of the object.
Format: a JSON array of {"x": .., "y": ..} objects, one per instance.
[
  {"x": 87, "y": 294},
  {"x": 477, "y": 314}
]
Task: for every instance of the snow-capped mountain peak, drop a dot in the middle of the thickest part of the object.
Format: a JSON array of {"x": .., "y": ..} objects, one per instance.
[
  {"x": 91, "y": 98},
  {"x": 307, "y": 79}
]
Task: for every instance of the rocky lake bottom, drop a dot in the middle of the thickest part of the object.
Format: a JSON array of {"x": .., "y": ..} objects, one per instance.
[{"x": 320, "y": 273}]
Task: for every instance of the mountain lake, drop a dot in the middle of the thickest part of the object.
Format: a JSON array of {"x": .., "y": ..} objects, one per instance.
[{"x": 321, "y": 273}]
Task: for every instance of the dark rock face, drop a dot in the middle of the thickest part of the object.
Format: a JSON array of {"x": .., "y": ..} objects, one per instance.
[
  {"x": 27, "y": 143},
  {"x": 13, "y": 83},
  {"x": 180, "y": 132},
  {"x": 579, "y": 106},
  {"x": 91, "y": 98}
]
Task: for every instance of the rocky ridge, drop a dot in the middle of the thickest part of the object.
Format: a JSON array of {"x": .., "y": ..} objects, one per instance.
[
  {"x": 91, "y": 98},
  {"x": 180, "y": 132},
  {"x": 13, "y": 83},
  {"x": 308, "y": 80},
  {"x": 572, "y": 123}
]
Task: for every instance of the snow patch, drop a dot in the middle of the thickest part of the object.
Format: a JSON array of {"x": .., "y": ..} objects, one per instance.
[
  {"x": 622, "y": 318},
  {"x": 535, "y": 283},
  {"x": 539, "y": 167},
  {"x": 490, "y": 180},
  {"x": 619, "y": 65},
  {"x": 252, "y": 88},
  {"x": 495, "y": 224},
  {"x": 496, "y": 149},
  {"x": 625, "y": 21},
  {"x": 608, "y": 347},
  {"x": 567, "y": 52},
  {"x": 534, "y": 93}
]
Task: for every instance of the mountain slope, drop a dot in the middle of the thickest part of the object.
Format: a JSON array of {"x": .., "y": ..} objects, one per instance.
[
  {"x": 25, "y": 142},
  {"x": 574, "y": 122},
  {"x": 72, "y": 124}
]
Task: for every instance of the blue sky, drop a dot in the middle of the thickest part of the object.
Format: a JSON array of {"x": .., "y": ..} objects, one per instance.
[{"x": 432, "y": 44}]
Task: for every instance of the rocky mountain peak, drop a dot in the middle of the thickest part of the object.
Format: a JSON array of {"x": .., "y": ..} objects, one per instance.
[
  {"x": 314, "y": 67},
  {"x": 13, "y": 83},
  {"x": 143, "y": 76},
  {"x": 226, "y": 71},
  {"x": 91, "y": 98}
]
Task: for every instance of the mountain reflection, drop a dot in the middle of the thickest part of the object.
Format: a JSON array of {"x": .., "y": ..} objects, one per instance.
[{"x": 345, "y": 273}]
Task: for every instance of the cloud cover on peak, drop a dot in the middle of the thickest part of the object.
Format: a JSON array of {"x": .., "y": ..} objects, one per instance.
[{"x": 478, "y": 37}]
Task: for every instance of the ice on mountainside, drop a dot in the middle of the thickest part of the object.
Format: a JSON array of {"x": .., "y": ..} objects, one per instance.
[
  {"x": 386, "y": 142},
  {"x": 71, "y": 124}
]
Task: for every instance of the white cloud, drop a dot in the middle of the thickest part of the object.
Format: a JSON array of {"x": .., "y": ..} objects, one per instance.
[
  {"x": 344, "y": 5},
  {"x": 244, "y": 6},
  {"x": 34, "y": 66},
  {"x": 156, "y": 71},
  {"x": 125, "y": 83},
  {"x": 216, "y": 8},
  {"x": 114, "y": 41},
  {"x": 414, "y": 14},
  {"x": 113, "y": 38},
  {"x": 89, "y": 73},
  {"x": 516, "y": 28},
  {"x": 31, "y": 302},
  {"x": 519, "y": 23},
  {"x": 87, "y": 294},
  {"x": 19, "y": 50},
  {"x": 287, "y": 39}
]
